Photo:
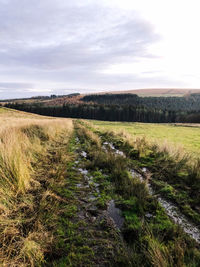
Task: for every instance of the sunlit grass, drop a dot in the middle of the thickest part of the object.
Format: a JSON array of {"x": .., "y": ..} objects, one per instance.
[
  {"x": 24, "y": 141},
  {"x": 178, "y": 137}
]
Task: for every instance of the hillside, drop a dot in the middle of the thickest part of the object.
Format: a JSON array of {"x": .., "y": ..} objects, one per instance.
[
  {"x": 47, "y": 100},
  {"x": 72, "y": 194},
  {"x": 159, "y": 92},
  {"x": 119, "y": 107},
  {"x": 76, "y": 97}
]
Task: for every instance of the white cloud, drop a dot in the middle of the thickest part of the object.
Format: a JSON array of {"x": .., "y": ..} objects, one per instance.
[{"x": 54, "y": 45}]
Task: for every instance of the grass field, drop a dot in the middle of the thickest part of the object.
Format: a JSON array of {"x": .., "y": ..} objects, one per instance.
[
  {"x": 184, "y": 137},
  {"x": 61, "y": 181}
]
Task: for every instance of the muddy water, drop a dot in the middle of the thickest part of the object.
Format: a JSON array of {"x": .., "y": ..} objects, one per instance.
[
  {"x": 84, "y": 154},
  {"x": 172, "y": 211},
  {"x": 112, "y": 211},
  {"x": 115, "y": 214},
  {"x": 111, "y": 146}
]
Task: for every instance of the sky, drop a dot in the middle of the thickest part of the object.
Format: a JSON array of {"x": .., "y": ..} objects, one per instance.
[{"x": 61, "y": 47}]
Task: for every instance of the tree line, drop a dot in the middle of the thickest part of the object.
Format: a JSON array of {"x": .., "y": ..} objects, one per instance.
[
  {"x": 114, "y": 112},
  {"x": 186, "y": 103}
]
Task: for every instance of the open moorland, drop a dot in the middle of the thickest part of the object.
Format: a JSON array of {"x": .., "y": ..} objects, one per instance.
[{"x": 78, "y": 193}]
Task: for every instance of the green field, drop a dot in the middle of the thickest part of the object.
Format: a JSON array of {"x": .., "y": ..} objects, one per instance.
[{"x": 183, "y": 136}]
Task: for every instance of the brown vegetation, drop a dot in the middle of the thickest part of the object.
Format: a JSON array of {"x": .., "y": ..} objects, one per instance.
[{"x": 24, "y": 140}]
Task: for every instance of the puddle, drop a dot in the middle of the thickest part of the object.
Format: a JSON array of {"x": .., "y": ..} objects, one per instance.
[
  {"x": 144, "y": 169},
  {"x": 119, "y": 153},
  {"x": 111, "y": 146},
  {"x": 84, "y": 154},
  {"x": 83, "y": 171},
  {"x": 77, "y": 140},
  {"x": 135, "y": 174},
  {"x": 172, "y": 210},
  {"x": 115, "y": 214}
]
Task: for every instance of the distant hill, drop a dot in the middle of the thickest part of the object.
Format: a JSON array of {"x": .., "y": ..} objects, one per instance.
[
  {"x": 158, "y": 92},
  {"x": 76, "y": 98},
  {"x": 53, "y": 100}
]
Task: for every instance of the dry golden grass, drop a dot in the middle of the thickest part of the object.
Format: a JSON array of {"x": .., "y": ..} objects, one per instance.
[
  {"x": 17, "y": 119},
  {"x": 24, "y": 139}
]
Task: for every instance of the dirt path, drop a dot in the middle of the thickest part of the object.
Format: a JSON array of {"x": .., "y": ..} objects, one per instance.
[
  {"x": 84, "y": 219},
  {"x": 85, "y": 234}
]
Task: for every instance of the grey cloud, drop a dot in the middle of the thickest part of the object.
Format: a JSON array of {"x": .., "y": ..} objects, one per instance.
[
  {"x": 8, "y": 85},
  {"x": 57, "y": 41}
]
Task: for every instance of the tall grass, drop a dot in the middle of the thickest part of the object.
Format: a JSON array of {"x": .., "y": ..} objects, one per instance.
[{"x": 23, "y": 236}]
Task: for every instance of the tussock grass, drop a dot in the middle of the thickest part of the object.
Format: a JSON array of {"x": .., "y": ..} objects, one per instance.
[
  {"x": 86, "y": 135},
  {"x": 158, "y": 254},
  {"x": 176, "y": 137},
  {"x": 24, "y": 236}
]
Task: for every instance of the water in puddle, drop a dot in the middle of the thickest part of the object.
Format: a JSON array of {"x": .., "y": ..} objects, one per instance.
[
  {"x": 84, "y": 154},
  {"x": 172, "y": 211},
  {"x": 83, "y": 171},
  {"x": 115, "y": 214},
  {"x": 144, "y": 169},
  {"x": 119, "y": 153},
  {"x": 111, "y": 146},
  {"x": 135, "y": 174}
]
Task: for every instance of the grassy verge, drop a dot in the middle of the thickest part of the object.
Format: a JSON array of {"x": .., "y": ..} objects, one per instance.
[
  {"x": 174, "y": 175},
  {"x": 25, "y": 235},
  {"x": 152, "y": 238}
]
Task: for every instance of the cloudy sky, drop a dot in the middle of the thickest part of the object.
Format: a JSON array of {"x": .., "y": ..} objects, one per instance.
[{"x": 60, "y": 47}]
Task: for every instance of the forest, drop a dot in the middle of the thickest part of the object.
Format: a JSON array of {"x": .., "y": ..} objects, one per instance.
[
  {"x": 123, "y": 107},
  {"x": 172, "y": 103}
]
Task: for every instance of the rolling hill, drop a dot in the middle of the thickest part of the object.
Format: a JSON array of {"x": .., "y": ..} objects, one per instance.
[{"x": 159, "y": 92}]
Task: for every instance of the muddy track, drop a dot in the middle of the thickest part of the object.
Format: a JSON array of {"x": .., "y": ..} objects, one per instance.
[
  {"x": 98, "y": 225},
  {"x": 104, "y": 223}
]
